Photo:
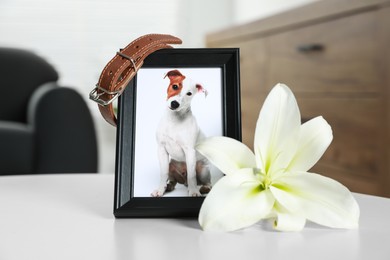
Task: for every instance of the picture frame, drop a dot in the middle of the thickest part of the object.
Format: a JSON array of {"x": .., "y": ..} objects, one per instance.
[{"x": 141, "y": 105}]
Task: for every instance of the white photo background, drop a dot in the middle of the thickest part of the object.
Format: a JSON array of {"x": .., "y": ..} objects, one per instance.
[{"x": 150, "y": 107}]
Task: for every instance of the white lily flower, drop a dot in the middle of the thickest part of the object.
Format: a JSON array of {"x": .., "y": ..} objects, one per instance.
[{"x": 274, "y": 182}]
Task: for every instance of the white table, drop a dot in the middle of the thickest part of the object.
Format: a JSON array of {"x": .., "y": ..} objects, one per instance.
[{"x": 70, "y": 217}]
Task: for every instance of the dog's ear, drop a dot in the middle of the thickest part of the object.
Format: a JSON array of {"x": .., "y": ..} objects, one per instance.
[
  {"x": 174, "y": 75},
  {"x": 201, "y": 89}
]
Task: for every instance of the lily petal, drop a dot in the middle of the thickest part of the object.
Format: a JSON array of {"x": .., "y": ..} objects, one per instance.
[
  {"x": 318, "y": 199},
  {"x": 277, "y": 129},
  {"x": 285, "y": 221},
  {"x": 315, "y": 137},
  {"x": 236, "y": 201},
  {"x": 227, "y": 154}
]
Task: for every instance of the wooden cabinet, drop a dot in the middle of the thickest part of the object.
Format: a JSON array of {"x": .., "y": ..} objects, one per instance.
[{"x": 335, "y": 56}]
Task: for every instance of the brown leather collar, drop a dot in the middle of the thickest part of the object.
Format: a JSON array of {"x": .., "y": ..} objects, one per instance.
[{"x": 122, "y": 68}]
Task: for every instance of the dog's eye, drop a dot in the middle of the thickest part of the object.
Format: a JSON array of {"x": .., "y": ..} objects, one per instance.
[
  {"x": 175, "y": 87},
  {"x": 189, "y": 94}
]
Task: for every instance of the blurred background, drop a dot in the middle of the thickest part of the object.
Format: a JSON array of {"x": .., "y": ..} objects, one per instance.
[{"x": 78, "y": 37}]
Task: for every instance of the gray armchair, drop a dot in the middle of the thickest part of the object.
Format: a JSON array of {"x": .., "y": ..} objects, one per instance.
[{"x": 44, "y": 128}]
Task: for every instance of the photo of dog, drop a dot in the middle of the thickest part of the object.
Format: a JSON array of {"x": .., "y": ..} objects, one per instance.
[
  {"x": 177, "y": 135},
  {"x": 174, "y": 111}
]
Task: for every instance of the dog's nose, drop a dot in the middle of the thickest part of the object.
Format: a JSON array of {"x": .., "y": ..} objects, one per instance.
[{"x": 174, "y": 104}]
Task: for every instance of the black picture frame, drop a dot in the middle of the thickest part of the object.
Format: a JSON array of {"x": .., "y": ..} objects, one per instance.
[{"x": 125, "y": 203}]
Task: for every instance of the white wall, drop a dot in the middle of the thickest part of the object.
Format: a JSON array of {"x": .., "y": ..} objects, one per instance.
[
  {"x": 198, "y": 17},
  {"x": 249, "y": 10},
  {"x": 80, "y": 36}
]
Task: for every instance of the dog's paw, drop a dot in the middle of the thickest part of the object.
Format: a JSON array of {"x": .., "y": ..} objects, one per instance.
[
  {"x": 157, "y": 193},
  {"x": 194, "y": 193},
  {"x": 171, "y": 186},
  {"x": 205, "y": 189}
]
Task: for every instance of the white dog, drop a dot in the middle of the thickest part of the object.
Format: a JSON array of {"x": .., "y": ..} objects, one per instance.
[{"x": 177, "y": 135}]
